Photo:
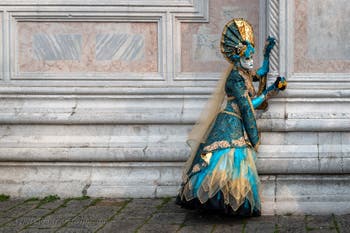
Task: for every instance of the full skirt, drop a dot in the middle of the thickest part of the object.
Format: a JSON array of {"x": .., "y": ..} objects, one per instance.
[{"x": 228, "y": 182}]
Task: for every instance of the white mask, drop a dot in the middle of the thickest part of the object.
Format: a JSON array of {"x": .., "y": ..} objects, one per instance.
[{"x": 247, "y": 62}]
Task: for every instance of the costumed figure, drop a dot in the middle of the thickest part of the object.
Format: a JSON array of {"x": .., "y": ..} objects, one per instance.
[{"x": 221, "y": 173}]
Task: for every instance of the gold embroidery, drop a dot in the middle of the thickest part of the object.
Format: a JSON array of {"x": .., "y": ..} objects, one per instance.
[
  {"x": 236, "y": 108},
  {"x": 206, "y": 157},
  {"x": 256, "y": 147},
  {"x": 251, "y": 105},
  {"x": 239, "y": 142},
  {"x": 196, "y": 168},
  {"x": 233, "y": 114},
  {"x": 245, "y": 135},
  {"x": 216, "y": 145},
  {"x": 247, "y": 80}
]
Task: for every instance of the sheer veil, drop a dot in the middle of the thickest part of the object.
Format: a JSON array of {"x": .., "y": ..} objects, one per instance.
[{"x": 201, "y": 129}]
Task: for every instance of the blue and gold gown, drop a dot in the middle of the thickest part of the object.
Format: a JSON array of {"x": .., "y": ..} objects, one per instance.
[{"x": 223, "y": 174}]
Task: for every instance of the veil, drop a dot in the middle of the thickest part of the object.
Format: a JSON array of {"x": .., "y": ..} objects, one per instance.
[{"x": 201, "y": 129}]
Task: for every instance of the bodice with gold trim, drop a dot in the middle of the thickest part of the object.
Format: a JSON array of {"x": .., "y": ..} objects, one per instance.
[{"x": 235, "y": 126}]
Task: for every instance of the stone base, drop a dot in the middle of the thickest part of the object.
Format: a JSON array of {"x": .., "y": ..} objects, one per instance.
[{"x": 281, "y": 194}]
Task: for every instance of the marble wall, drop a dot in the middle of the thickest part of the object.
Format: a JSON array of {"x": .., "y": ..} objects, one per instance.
[
  {"x": 57, "y": 47},
  {"x": 97, "y": 97},
  {"x": 200, "y": 43},
  {"x": 321, "y": 36}
]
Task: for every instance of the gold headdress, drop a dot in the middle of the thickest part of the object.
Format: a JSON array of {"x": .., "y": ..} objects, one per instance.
[{"x": 237, "y": 39}]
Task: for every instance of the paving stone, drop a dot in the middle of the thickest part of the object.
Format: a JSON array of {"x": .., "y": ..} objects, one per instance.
[
  {"x": 79, "y": 203},
  {"x": 198, "y": 217},
  {"x": 260, "y": 227},
  {"x": 5, "y": 205},
  {"x": 34, "y": 230},
  {"x": 99, "y": 212},
  {"x": 22, "y": 221},
  {"x": 225, "y": 228},
  {"x": 143, "y": 205},
  {"x": 343, "y": 222},
  {"x": 261, "y": 224},
  {"x": 289, "y": 224},
  {"x": 19, "y": 210},
  {"x": 318, "y": 223},
  {"x": 4, "y": 220},
  {"x": 78, "y": 223},
  {"x": 200, "y": 228},
  {"x": 158, "y": 228},
  {"x": 51, "y": 221},
  {"x": 323, "y": 230},
  {"x": 112, "y": 202},
  {"x": 142, "y": 213},
  {"x": 74, "y": 230},
  {"x": 173, "y": 208},
  {"x": 10, "y": 229},
  {"x": 82, "y": 220},
  {"x": 52, "y": 205},
  {"x": 38, "y": 212},
  {"x": 168, "y": 218},
  {"x": 89, "y": 218},
  {"x": 68, "y": 212},
  {"x": 121, "y": 226}
]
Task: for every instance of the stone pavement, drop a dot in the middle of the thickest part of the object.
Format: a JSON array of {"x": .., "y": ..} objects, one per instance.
[{"x": 85, "y": 214}]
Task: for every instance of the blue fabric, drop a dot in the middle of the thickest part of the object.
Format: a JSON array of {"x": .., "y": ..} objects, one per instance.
[
  {"x": 240, "y": 154},
  {"x": 249, "y": 50},
  {"x": 257, "y": 101},
  {"x": 235, "y": 86},
  {"x": 227, "y": 128},
  {"x": 253, "y": 185},
  {"x": 209, "y": 169},
  {"x": 264, "y": 69}
]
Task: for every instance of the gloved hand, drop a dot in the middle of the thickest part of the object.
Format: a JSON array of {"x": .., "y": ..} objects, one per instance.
[
  {"x": 279, "y": 85},
  {"x": 264, "y": 69},
  {"x": 269, "y": 44}
]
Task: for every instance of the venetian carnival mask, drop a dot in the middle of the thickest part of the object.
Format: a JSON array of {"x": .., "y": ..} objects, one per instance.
[{"x": 247, "y": 62}]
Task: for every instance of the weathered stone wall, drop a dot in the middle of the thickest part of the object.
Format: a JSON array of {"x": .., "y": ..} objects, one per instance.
[{"x": 97, "y": 97}]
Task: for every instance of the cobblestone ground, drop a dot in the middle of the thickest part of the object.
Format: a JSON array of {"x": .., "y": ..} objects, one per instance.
[{"x": 146, "y": 215}]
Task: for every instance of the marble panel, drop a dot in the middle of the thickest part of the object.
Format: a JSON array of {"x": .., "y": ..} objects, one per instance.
[
  {"x": 120, "y": 46},
  {"x": 200, "y": 43},
  {"x": 56, "y": 47},
  {"x": 67, "y": 47},
  {"x": 317, "y": 110},
  {"x": 321, "y": 36},
  {"x": 346, "y": 165},
  {"x": 328, "y": 31},
  {"x": 289, "y": 138},
  {"x": 345, "y": 138},
  {"x": 267, "y": 194},
  {"x": 312, "y": 193}
]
